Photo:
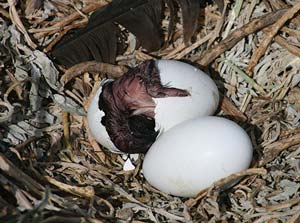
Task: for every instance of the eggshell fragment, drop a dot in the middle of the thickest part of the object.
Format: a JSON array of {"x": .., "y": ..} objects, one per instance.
[
  {"x": 203, "y": 99},
  {"x": 94, "y": 116},
  {"x": 196, "y": 153}
]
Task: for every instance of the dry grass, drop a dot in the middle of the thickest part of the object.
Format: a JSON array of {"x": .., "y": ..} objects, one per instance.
[{"x": 51, "y": 170}]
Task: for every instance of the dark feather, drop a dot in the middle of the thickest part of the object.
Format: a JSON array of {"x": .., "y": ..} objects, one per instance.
[
  {"x": 96, "y": 43},
  {"x": 172, "y": 21},
  {"x": 144, "y": 23},
  {"x": 190, "y": 12},
  {"x": 99, "y": 39}
]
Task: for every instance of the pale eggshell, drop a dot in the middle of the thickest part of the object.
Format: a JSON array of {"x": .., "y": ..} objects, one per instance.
[
  {"x": 196, "y": 153},
  {"x": 204, "y": 97},
  {"x": 94, "y": 116}
]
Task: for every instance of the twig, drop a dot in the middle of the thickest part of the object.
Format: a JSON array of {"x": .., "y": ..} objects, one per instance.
[
  {"x": 4, "y": 13},
  {"x": 193, "y": 201},
  {"x": 173, "y": 53},
  {"x": 233, "y": 15},
  {"x": 86, "y": 192},
  {"x": 283, "y": 205},
  {"x": 16, "y": 85},
  {"x": 62, "y": 33},
  {"x": 295, "y": 218},
  {"x": 92, "y": 66},
  {"x": 271, "y": 151},
  {"x": 248, "y": 79},
  {"x": 22, "y": 145},
  {"x": 274, "y": 216},
  {"x": 17, "y": 21},
  {"x": 11, "y": 170},
  {"x": 66, "y": 128},
  {"x": 32, "y": 5},
  {"x": 57, "y": 26},
  {"x": 19, "y": 194},
  {"x": 272, "y": 31},
  {"x": 229, "y": 108},
  {"x": 285, "y": 44},
  {"x": 255, "y": 25},
  {"x": 193, "y": 46}
]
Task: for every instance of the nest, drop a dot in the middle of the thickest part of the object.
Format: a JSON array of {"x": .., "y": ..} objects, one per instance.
[{"x": 52, "y": 170}]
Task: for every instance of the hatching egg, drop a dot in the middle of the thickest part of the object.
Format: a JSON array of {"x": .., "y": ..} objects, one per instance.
[
  {"x": 127, "y": 114},
  {"x": 194, "y": 154}
]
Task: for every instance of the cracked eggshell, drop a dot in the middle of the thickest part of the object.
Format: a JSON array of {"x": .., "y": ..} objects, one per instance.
[
  {"x": 196, "y": 153},
  {"x": 203, "y": 101},
  {"x": 94, "y": 116}
]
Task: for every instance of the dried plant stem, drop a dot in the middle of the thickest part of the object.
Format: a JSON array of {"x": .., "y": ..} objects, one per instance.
[
  {"x": 11, "y": 170},
  {"x": 272, "y": 150},
  {"x": 229, "y": 108},
  {"x": 86, "y": 192},
  {"x": 254, "y": 171},
  {"x": 295, "y": 218},
  {"x": 234, "y": 14},
  {"x": 255, "y": 25},
  {"x": 272, "y": 31},
  {"x": 62, "y": 33},
  {"x": 60, "y": 25},
  {"x": 99, "y": 152},
  {"x": 174, "y": 52},
  {"x": 283, "y": 205},
  {"x": 246, "y": 78},
  {"x": 17, "y": 21},
  {"x": 92, "y": 66},
  {"x": 245, "y": 103},
  {"x": 4, "y": 13},
  {"x": 66, "y": 127},
  {"x": 189, "y": 49},
  {"x": 285, "y": 44}
]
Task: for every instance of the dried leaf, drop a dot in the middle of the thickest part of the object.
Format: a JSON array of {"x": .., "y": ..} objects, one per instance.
[
  {"x": 42, "y": 64},
  {"x": 289, "y": 190},
  {"x": 67, "y": 104}
]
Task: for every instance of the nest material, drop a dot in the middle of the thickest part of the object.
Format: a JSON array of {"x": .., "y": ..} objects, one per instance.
[{"x": 51, "y": 170}]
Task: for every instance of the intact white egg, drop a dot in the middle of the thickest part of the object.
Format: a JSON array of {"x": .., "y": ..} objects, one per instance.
[
  {"x": 194, "y": 154},
  {"x": 203, "y": 99}
]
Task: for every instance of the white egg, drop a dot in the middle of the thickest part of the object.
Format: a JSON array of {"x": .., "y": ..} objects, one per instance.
[
  {"x": 196, "y": 153},
  {"x": 204, "y": 93}
]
